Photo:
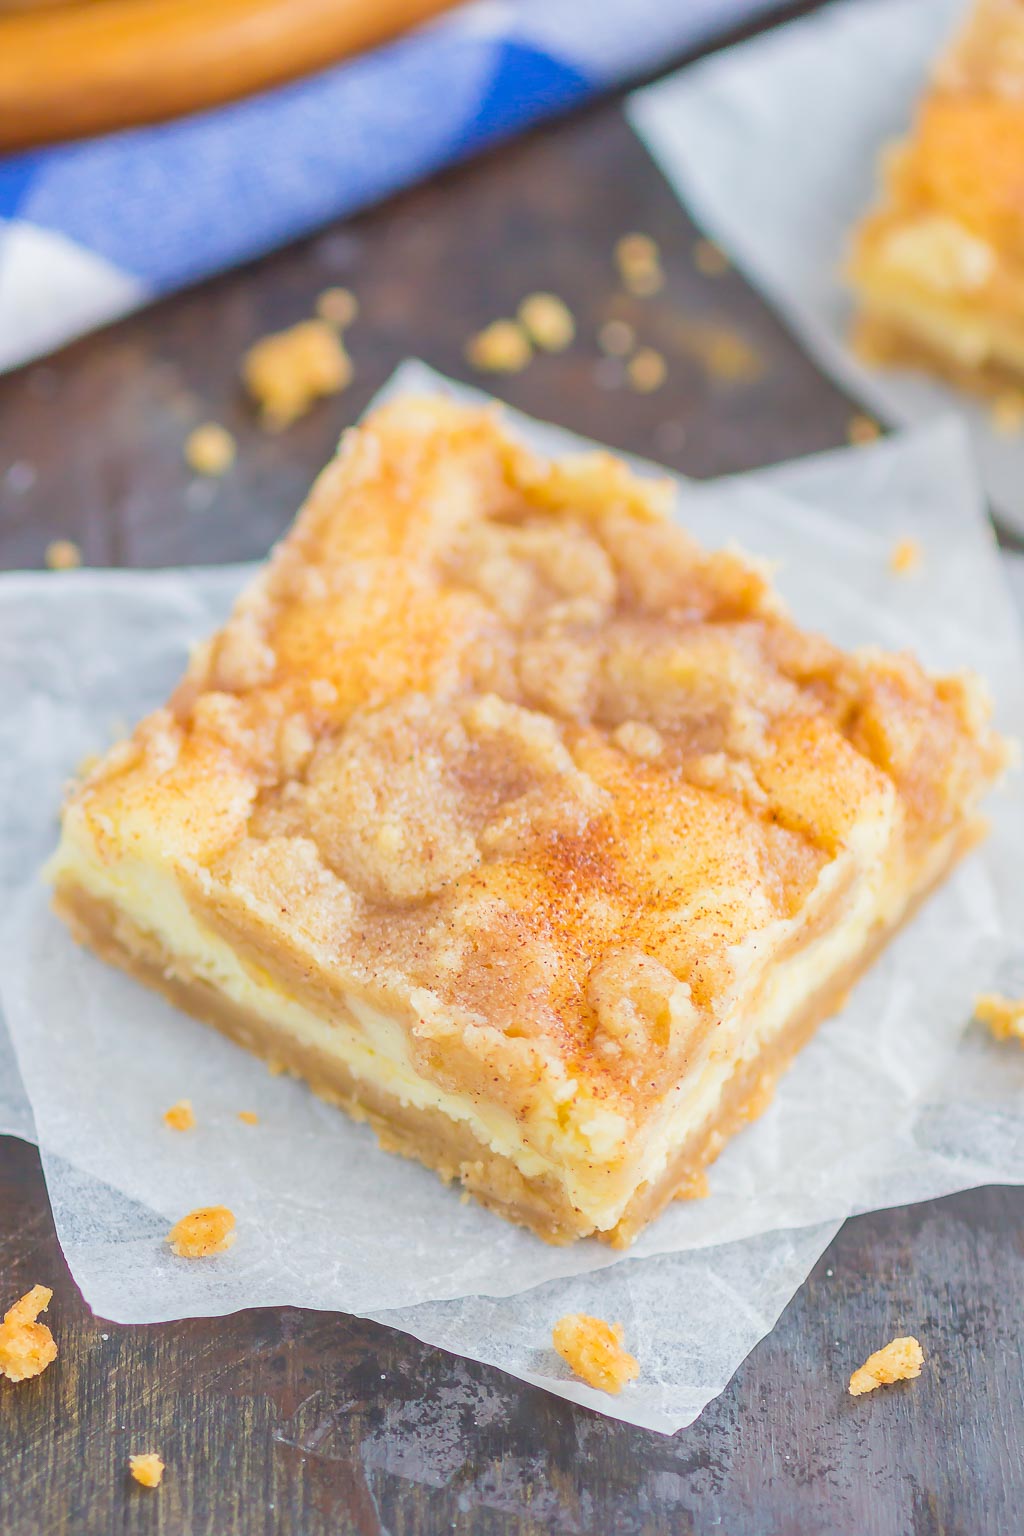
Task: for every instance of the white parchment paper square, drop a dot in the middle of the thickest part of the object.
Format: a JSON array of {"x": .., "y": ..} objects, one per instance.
[
  {"x": 773, "y": 144},
  {"x": 895, "y": 1100}
]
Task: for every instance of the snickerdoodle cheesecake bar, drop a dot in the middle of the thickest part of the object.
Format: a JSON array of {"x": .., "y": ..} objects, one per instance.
[
  {"x": 938, "y": 264},
  {"x": 518, "y": 823}
]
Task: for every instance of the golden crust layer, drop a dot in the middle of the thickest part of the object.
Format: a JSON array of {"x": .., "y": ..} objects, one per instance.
[
  {"x": 939, "y": 265},
  {"x": 493, "y": 748}
]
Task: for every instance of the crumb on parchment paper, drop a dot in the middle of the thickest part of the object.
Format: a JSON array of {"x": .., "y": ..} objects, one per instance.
[
  {"x": 501, "y": 347},
  {"x": 248, "y": 1117},
  {"x": 899, "y": 1361},
  {"x": 287, "y": 371},
  {"x": 180, "y": 1116},
  {"x": 1004, "y": 1016},
  {"x": 904, "y": 557},
  {"x": 210, "y": 449},
  {"x": 63, "y": 555},
  {"x": 203, "y": 1232},
  {"x": 147, "y": 1469},
  {"x": 593, "y": 1349},
  {"x": 27, "y": 1347},
  {"x": 862, "y": 429}
]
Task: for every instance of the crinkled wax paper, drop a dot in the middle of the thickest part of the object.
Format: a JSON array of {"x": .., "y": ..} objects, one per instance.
[
  {"x": 774, "y": 146},
  {"x": 897, "y": 1099}
]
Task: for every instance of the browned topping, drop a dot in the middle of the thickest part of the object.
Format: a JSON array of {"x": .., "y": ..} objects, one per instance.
[
  {"x": 209, "y": 1230},
  {"x": 547, "y": 321},
  {"x": 862, "y": 429},
  {"x": 905, "y": 557},
  {"x": 289, "y": 370},
  {"x": 639, "y": 262},
  {"x": 1004, "y": 1016},
  {"x": 210, "y": 449},
  {"x": 147, "y": 1469},
  {"x": 26, "y": 1347},
  {"x": 248, "y": 1117},
  {"x": 338, "y": 306},
  {"x": 180, "y": 1117},
  {"x": 709, "y": 259},
  {"x": 501, "y": 347},
  {"x": 63, "y": 555},
  {"x": 899, "y": 1361},
  {"x": 646, "y": 370},
  {"x": 593, "y": 1349}
]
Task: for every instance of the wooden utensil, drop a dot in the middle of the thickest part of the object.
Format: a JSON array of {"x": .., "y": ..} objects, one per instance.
[{"x": 87, "y": 66}]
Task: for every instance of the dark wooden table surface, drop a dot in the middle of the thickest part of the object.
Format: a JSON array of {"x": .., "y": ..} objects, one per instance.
[{"x": 318, "y": 1425}]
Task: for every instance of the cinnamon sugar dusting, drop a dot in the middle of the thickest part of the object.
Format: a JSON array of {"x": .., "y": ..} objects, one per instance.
[
  {"x": 593, "y": 1349},
  {"x": 26, "y": 1346}
]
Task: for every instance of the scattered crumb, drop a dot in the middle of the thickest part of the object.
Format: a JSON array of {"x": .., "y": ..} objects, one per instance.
[
  {"x": 248, "y": 1117},
  {"x": 26, "y": 1347},
  {"x": 1008, "y": 412},
  {"x": 1004, "y": 1016},
  {"x": 287, "y": 371},
  {"x": 210, "y": 449},
  {"x": 180, "y": 1117},
  {"x": 147, "y": 1469},
  {"x": 547, "y": 321},
  {"x": 862, "y": 429},
  {"x": 709, "y": 259},
  {"x": 501, "y": 347},
  {"x": 617, "y": 338},
  {"x": 727, "y": 355},
  {"x": 338, "y": 306},
  {"x": 898, "y": 1361},
  {"x": 593, "y": 1349},
  {"x": 646, "y": 370},
  {"x": 904, "y": 557},
  {"x": 639, "y": 263},
  {"x": 63, "y": 555},
  {"x": 201, "y": 1233}
]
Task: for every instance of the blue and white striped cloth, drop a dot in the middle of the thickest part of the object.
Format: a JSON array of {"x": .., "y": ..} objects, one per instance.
[{"x": 93, "y": 229}]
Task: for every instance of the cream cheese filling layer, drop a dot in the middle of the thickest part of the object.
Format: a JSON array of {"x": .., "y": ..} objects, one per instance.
[{"x": 599, "y": 1187}]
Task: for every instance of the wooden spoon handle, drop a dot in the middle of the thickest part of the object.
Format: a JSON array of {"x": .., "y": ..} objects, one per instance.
[{"x": 69, "y": 70}]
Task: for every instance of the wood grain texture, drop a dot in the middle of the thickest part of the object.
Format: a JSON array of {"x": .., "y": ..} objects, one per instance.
[{"x": 316, "y": 1425}]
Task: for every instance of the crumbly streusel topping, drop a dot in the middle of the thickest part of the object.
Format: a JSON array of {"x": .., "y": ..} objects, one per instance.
[{"x": 494, "y": 743}]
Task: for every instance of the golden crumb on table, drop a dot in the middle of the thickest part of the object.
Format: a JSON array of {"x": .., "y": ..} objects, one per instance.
[
  {"x": 209, "y": 1230},
  {"x": 210, "y": 449},
  {"x": 180, "y": 1117},
  {"x": 147, "y": 1469},
  {"x": 1007, "y": 413},
  {"x": 248, "y": 1117},
  {"x": 287, "y": 371},
  {"x": 547, "y": 321},
  {"x": 728, "y": 355},
  {"x": 904, "y": 557},
  {"x": 646, "y": 371},
  {"x": 338, "y": 306},
  {"x": 899, "y": 1361},
  {"x": 1004, "y": 1016},
  {"x": 862, "y": 429},
  {"x": 593, "y": 1349},
  {"x": 63, "y": 555},
  {"x": 616, "y": 338},
  {"x": 709, "y": 259},
  {"x": 639, "y": 263},
  {"x": 501, "y": 347},
  {"x": 26, "y": 1347}
]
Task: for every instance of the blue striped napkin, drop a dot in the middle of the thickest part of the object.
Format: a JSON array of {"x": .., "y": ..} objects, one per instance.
[{"x": 93, "y": 229}]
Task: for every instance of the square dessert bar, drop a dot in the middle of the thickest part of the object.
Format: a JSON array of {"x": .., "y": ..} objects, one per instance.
[
  {"x": 938, "y": 266},
  {"x": 520, "y": 825}
]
